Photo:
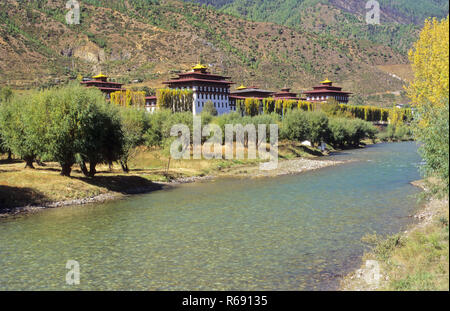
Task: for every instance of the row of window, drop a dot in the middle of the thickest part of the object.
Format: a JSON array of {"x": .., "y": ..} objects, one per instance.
[
  {"x": 208, "y": 89},
  {"x": 213, "y": 89},
  {"x": 339, "y": 98},
  {"x": 214, "y": 96}
]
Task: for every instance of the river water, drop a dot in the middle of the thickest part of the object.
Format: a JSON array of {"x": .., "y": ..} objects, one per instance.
[{"x": 298, "y": 232}]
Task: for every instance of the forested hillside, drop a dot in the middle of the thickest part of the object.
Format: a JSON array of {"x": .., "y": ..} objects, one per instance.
[
  {"x": 400, "y": 11},
  {"x": 400, "y": 19},
  {"x": 150, "y": 40}
]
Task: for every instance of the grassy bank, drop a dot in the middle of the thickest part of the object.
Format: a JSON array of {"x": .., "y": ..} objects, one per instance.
[
  {"x": 417, "y": 259},
  {"x": 148, "y": 169}
]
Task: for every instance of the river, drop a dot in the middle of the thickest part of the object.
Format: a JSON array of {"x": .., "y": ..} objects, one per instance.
[{"x": 297, "y": 232}]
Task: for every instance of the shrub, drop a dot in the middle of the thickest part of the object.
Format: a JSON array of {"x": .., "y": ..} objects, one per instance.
[
  {"x": 318, "y": 127},
  {"x": 135, "y": 123},
  {"x": 349, "y": 132},
  {"x": 22, "y": 127},
  {"x": 153, "y": 135},
  {"x": 210, "y": 109},
  {"x": 435, "y": 146},
  {"x": 81, "y": 128},
  {"x": 295, "y": 126},
  {"x": 399, "y": 132}
]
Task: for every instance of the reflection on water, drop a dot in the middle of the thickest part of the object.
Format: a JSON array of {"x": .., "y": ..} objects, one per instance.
[{"x": 286, "y": 233}]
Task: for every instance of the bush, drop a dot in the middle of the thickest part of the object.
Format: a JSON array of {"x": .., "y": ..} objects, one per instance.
[
  {"x": 69, "y": 125},
  {"x": 22, "y": 127},
  {"x": 210, "y": 109},
  {"x": 153, "y": 135},
  {"x": 318, "y": 127},
  {"x": 135, "y": 123},
  {"x": 435, "y": 146},
  {"x": 295, "y": 126},
  {"x": 6, "y": 94},
  {"x": 82, "y": 127},
  {"x": 399, "y": 132},
  {"x": 349, "y": 132}
]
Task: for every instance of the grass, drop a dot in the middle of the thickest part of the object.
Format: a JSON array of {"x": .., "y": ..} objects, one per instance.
[
  {"x": 21, "y": 187},
  {"x": 417, "y": 260}
]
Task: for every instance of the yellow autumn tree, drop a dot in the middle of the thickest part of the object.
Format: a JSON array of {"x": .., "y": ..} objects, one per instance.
[
  {"x": 128, "y": 98},
  {"x": 429, "y": 59},
  {"x": 429, "y": 93}
]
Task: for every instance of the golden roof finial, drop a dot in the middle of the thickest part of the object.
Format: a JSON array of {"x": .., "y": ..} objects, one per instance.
[
  {"x": 199, "y": 67},
  {"x": 242, "y": 87},
  {"x": 100, "y": 76},
  {"x": 326, "y": 81}
]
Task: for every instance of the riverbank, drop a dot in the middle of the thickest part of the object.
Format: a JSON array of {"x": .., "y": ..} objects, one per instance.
[
  {"x": 27, "y": 190},
  {"x": 415, "y": 259}
]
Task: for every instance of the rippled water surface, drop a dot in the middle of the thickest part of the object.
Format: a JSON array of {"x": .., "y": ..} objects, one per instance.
[{"x": 287, "y": 233}]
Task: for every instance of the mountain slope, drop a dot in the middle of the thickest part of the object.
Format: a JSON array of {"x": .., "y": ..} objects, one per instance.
[
  {"x": 151, "y": 40},
  {"x": 400, "y": 19},
  {"x": 399, "y": 11}
]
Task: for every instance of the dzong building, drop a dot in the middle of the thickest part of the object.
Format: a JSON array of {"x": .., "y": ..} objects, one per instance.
[
  {"x": 326, "y": 91},
  {"x": 206, "y": 87}
]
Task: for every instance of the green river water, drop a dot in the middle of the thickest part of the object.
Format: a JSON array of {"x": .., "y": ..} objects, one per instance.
[{"x": 298, "y": 232}]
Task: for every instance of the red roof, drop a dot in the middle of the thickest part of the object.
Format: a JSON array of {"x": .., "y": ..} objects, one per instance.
[
  {"x": 244, "y": 97},
  {"x": 197, "y": 80},
  {"x": 102, "y": 82},
  {"x": 326, "y": 91},
  {"x": 202, "y": 74}
]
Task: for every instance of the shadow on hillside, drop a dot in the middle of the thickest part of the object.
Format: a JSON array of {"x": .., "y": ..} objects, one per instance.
[
  {"x": 17, "y": 197},
  {"x": 123, "y": 184}
]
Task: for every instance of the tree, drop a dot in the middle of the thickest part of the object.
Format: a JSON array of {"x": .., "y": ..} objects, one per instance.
[
  {"x": 429, "y": 93},
  {"x": 295, "y": 126},
  {"x": 429, "y": 59},
  {"x": 210, "y": 109},
  {"x": 251, "y": 106},
  {"x": 435, "y": 147},
  {"x": 81, "y": 128},
  {"x": 103, "y": 139},
  {"x": 134, "y": 125},
  {"x": 175, "y": 100},
  {"x": 22, "y": 127},
  {"x": 318, "y": 127},
  {"x": 128, "y": 98},
  {"x": 6, "y": 94}
]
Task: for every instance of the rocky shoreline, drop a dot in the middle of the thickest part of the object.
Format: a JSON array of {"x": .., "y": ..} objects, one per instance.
[{"x": 286, "y": 167}]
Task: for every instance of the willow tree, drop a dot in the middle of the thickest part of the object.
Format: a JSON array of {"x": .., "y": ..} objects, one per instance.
[
  {"x": 306, "y": 106},
  {"x": 81, "y": 128},
  {"x": 251, "y": 106},
  {"x": 240, "y": 107},
  {"x": 279, "y": 106},
  {"x": 288, "y": 105},
  {"x": 128, "y": 98},
  {"x": 23, "y": 127},
  {"x": 175, "y": 100},
  {"x": 268, "y": 105}
]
